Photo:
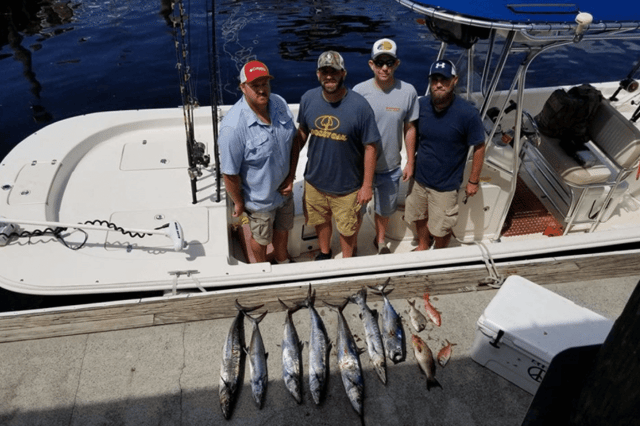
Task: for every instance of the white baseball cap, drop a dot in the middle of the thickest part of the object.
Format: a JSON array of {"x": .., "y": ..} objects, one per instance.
[{"x": 384, "y": 46}]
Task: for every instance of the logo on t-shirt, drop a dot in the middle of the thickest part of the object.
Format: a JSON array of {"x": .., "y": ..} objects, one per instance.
[{"x": 325, "y": 126}]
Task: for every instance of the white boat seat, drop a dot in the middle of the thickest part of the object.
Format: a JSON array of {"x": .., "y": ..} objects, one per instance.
[
  {"x": 615, "y": 141},
  {"x": 615, "y": 135},
  {"x": 567, "y": 167}
]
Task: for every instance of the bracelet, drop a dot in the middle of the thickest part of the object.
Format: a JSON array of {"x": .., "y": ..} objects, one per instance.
[{"x": 474, "y": 183}]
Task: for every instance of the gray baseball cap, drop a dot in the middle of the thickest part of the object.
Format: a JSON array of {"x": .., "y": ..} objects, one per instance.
[{"x": 331, "y": 59}]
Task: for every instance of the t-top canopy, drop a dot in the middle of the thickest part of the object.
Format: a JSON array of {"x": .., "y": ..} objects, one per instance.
[{"x": 531, "y": 12}]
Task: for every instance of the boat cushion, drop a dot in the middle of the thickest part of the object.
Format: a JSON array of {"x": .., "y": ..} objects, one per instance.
[
  {"x": 567, "y": 167},
  {"x": 613, "y": 133}
]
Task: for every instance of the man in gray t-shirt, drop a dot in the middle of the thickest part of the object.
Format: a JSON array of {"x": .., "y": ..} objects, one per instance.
[{"x": 395, "y": 105}]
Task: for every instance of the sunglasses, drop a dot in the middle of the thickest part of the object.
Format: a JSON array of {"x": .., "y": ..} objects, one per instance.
[{"x": 380, "y": 63}]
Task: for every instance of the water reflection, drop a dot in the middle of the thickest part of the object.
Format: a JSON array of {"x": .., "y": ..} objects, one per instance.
[
  {"x": 299, "y": 31},
  {"x": 319, "y": 27},
  {"x": 20, "y": 18}
]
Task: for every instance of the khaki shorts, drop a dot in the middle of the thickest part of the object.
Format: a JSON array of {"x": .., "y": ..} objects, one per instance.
[
  {"x": 440, "y": 208},
  {"x": 263, "y": 223},
  {"x": 320, "y": 207}
]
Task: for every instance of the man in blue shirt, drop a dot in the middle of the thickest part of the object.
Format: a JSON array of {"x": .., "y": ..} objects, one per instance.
[
  {"x": 447, "y": 126},
  {"x": 255, "y": 141},
  {"x": 342, "y": 153}
]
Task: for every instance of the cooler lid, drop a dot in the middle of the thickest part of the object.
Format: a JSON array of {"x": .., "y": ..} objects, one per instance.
[{"x": 540, "y": 321}]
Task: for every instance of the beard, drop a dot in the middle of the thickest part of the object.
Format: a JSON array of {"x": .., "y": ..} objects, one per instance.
[
  {"x": 441, "y": 97},
  {"x": 339, "y": 83}
]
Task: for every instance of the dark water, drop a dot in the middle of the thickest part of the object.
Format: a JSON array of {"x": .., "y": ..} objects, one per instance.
[
  {"x": 62, "y": 58},
  {"x": 65, "y": 58}
]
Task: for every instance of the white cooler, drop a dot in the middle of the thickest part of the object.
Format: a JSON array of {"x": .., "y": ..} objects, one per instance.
[{"x": 526, "y": 325}]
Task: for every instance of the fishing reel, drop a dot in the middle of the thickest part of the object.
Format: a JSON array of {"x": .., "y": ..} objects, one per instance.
[{"x": 198, "y": 156}]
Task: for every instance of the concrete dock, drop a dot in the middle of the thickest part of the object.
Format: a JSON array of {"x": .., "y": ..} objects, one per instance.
[{"x": 169, "y": 374}]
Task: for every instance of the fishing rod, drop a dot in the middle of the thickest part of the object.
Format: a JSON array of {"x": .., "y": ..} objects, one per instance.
[
  {"x": 627, "y": 83},
  {"x": 215, "y": 92},
  {"x": 195, "y": 150}
]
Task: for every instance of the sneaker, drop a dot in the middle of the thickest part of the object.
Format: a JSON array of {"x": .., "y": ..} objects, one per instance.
[
  {"x": 324, "y": 256},
  {"x": 381, "y": 249},
  {"x": 384, "y": 249}
]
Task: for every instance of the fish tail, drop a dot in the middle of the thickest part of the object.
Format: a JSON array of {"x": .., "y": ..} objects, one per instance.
[
  {"x": 247, "y": 309},
  {"x": 286, "y": 308},
  {"x": 256, "y": 320},
  {"x": 338, "y": 308},
  {"x": 432, "y": 382},
  {"x": 381, "y": 287},
  {"x": 310, "y": 300},
  {"x": 359, "y": 297},
  {"x": 293, "y": 309}
]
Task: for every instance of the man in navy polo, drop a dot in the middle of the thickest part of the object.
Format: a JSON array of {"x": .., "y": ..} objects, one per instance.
[{"x": 447, "y": 126}]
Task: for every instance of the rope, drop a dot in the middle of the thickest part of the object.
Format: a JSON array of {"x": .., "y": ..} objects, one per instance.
[{"x": 494, "y": 280}]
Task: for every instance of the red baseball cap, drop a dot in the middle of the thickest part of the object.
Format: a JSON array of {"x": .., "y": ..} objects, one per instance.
[{"x": 252, "y": 70}]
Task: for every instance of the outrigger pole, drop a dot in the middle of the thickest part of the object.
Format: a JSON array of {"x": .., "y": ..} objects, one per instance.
[{"x": 195, "y": 150}]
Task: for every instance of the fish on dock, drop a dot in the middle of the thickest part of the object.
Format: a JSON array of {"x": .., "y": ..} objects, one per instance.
[
  {"x": 257, "y": 361},
  {"x": 233, "y": 352},
  {"x": 349, "y": 361},
  {"x": 425, "y": 361},
  {"x": 418, "y": 321},
  {"x": 319, "y": 347},
  {"x": 291, "y": 355},
  {"x": 432, "y": 312},
  {"x": 373, "y": 338},
  {"x": 392, "y": 330},
  {"x": 444, "y": 354}
]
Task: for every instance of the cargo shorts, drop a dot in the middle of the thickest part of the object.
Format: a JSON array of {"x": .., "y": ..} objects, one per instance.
[
  {"x": 440, "y": 208},
  {"x": 319, "y": 207},
  {"x": 262, "y": 224}
]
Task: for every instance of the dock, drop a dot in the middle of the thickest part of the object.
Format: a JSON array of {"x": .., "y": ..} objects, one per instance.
[{"x": 157, "y": 361}]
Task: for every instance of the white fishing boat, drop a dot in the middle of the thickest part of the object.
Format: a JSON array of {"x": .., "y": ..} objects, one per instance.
[{"x": 134, "y": 170}]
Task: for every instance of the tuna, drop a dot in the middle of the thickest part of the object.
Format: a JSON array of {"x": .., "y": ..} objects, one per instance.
[
  {"x": 425, "y": 361},
  {"x": 418, "y": 321},
  {"x": 373, "y": 338},
  {"x": 392, "y": 331},
  {"x": 432, "y": 312},
  {"x": 319, "y": 347},
  {"x": 291, "y": 355},
  {"x": 349, "y": 361},
  {"x": 257, "y": 362},
  {"x": 232, "y": 361}
]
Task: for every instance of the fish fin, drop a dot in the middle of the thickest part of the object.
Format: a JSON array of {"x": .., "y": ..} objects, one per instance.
[
  {"x": 411, "y": 303},
  {"x": 286, "y": 308}
]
